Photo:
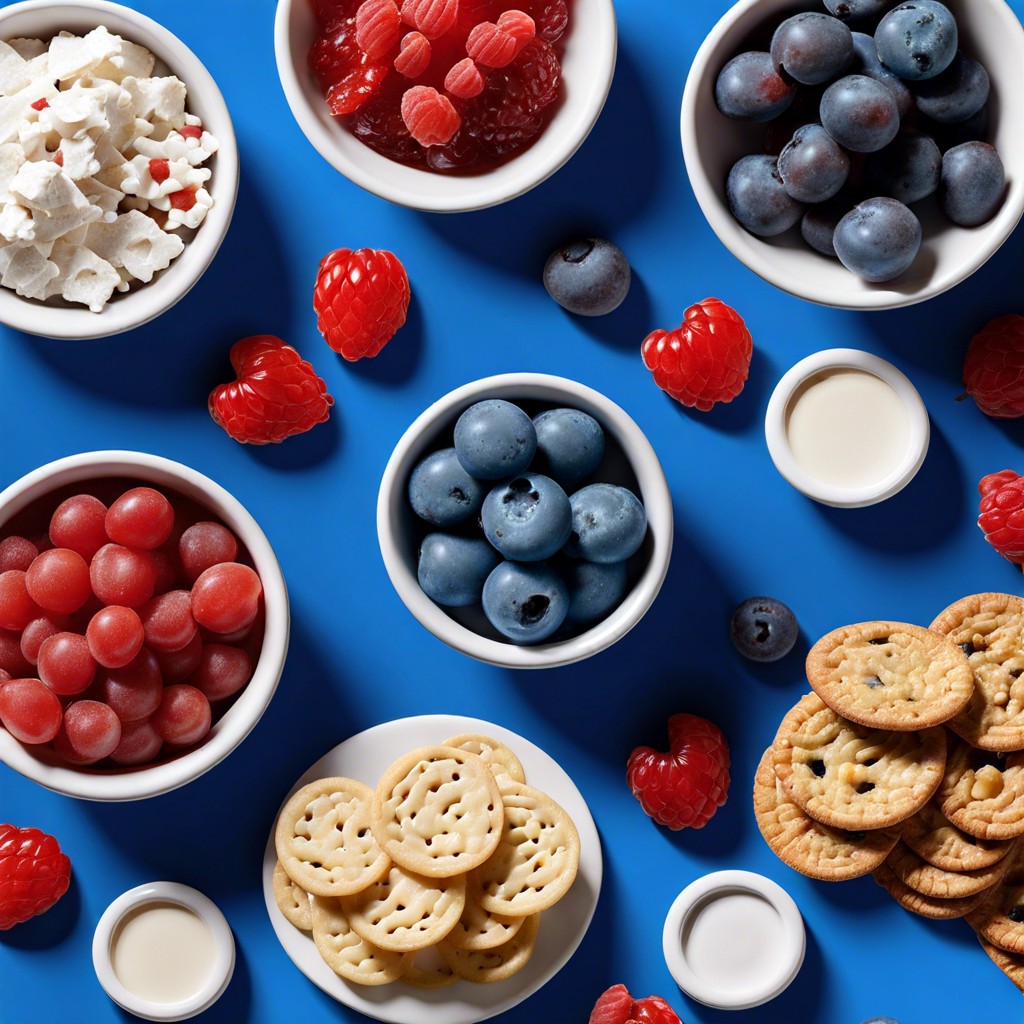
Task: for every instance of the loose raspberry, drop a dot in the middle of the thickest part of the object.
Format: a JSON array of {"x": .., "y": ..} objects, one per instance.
[
  {"x": 464, "y": 81},
  {"x": 519, "y": 25},
  {"x": 491, "y": 46},
  {"x": 617, "y": 1006},
  {"x": 378, "y": 27},
  {"x": 429, "y": 116},
  {"x": 1001, "y": 516},
  {"x": 361, "y": 299},
  {"x": 994, "y": 367},
  {"x": 704, "y": 361},
  {"x": 434, "y": 18},
  {"x": 159, "y": 170},
  {"x": 414, "y": 56},
  {"x": 34, "y": 874},
  {"x": 277, "y": 393},
  {"x": 348, "y": 77},
  {"x": 684, "y": 787}
]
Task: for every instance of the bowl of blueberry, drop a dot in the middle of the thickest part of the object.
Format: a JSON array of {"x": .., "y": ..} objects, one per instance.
[
  {"x": 862, "y": 154},
  {"x": 525, "y": 520}
]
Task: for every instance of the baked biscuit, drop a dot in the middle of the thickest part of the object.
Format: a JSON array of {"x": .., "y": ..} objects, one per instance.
[
  {"x": 479, "y": 928},
  {"x": 292, "y": 900},
  {"x": 487, "y": 965},
  {"x": 934, "y": 838},
  {"x": 925, "y": 906},
  {"x": 349, "y": 956},
  {"x": 983, "y": 793},
  {"x": 1000, "y": 919},
  {"x": 929, "y": 880},
  {"x": 426, "y": 969},
  {"x": 495, "y": 754},
  {"x": 1011, "y": 964}
]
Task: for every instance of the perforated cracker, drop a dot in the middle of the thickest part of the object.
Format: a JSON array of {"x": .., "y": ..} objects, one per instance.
[
  {"x": 492, "y": 965},
  {"x": 479, "y": 928},
  {"x": 982, "y": 793},
  {"x": 426, "y": 969},
  {"x": 498, "y": 757},
  {"x": 349, "y": 956},
  {"x": 292, "y": 900}
]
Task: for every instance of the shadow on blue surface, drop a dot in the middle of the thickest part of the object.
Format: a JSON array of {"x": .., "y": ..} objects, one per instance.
[
  {"x": 49, "y": 929},
  {"x": 744, "y": 411},
  {"x": 397, "y": 363},
  {"x": 626, "y": 327},
  {"x": 859, "y": 894},
  {"x": 304, "y": 450}
]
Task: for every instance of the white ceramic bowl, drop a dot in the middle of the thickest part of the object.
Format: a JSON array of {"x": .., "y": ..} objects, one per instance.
[
  {"x": 630, "y": 461},
  {"x": 989, "y": 31},
  {"x": 56, "y": 319},
  {"x": 40, "y": 763},
  {"x": 588, "y": 66}
]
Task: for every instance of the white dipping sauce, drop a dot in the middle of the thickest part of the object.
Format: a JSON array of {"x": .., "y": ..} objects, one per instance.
[
  {"x": 848, "y": 428},
  {"x": 163, "y": 952}
]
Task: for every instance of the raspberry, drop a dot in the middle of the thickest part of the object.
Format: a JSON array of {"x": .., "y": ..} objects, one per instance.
[
  {"x": 685, "y": 787},
  {"x": 617, "y": 1006},
  {"x": 434, "y": 18},
  {"x": 361, "y": 299},
  {"x": 34, "y": 874},
  {"x": 491, "y": 46},
  {"x": 464, "y": 81},
  {"x": 1002, "y": 513},
  {"x": 378, "y": 27},
  {"x": 552, "y": 18},
  {"x": 704, "y": 361},
  {"x": 348, "y": 77},
  {"x": 994, "y": 367},
  {"x": 414, "y": 56},
  {"x": 429, "y": 116},
  {"x": 519, "y": 25},
  {"x": 277, "y": 393}
]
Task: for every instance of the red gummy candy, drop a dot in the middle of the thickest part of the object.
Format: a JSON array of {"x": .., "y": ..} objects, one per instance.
[{"x": 429, "y": 116}]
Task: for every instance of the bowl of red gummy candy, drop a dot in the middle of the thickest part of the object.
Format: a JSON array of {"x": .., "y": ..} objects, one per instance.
[
  {"x": 446, "y": 105},
  {"x": 143, "y": 625}
]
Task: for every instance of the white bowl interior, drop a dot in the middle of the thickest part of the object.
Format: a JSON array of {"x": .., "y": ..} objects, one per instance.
[
  {"x": 43, "y": 20},
  {"x": 712, "y": 143},
  {"x": 587, "y": 67}
]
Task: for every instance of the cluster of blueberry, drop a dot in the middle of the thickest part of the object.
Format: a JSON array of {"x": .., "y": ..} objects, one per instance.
[
  {"x": 520, "y": 481},
  {"x": 888, "y": 118}
]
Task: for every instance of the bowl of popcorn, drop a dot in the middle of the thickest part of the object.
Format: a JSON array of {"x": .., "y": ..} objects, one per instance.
[
  {"x": 143, "y": 625},
  {"x": 446, "y": 105},
  {"x": 118, "y": 168}
]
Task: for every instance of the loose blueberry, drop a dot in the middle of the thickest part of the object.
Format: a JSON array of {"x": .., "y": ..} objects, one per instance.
[
  {"x": 750, "y": 89},
  {"x": 855, "y": 10},
  {"x": 957, "y": 94},
  {"x": 590, "y": 277},
  {"x": 495, "y": 439},
  {"x": 608, "y": 524},
  {"x": 860, "y": 114},
  {"x": 972, "y": 184},
  {"x": 452, "y": 569},
  {"x": 570, "y": 445},
  {"x": 527, "y": 519},
  {"x": 813, "y": 167},
  {"x": 866, "y": 63},
  {"x": 917, "y": 40},
  {"x": 812, "y": 47},
  {"x": 594, "y": 590},
  {"x": 442, "y": 492},
  {"x": 758, "y": 199},
  {"x": 763, "y": 629},
  {"x": 819, "y": 223},
  {"x": 878, "y": 240},
  {"x": 526, "y": 603},
  {"x": 881, "y": 1020},
  {"x": 908, "y": 170}
]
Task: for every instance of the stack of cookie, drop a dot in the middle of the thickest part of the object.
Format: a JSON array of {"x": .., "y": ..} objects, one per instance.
[{"x": 440, "y": 873}]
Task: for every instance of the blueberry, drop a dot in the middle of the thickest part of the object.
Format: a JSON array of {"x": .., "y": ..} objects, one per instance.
[
  {"x": 860, "y": 114},
  {"x": 878, "y": 240},
  {"x": 974, "y": 129},
  {"x": 452, "y": 569},
  {"x": 813, "y": 168},
  {"x": 819, "y": 223},
  {"x": 528, "y": 518},
  {"x": 812, "y": 47},
  {"x": 881, "y": 1020},
  {"x": 763, "y": 629},
  {"x": 917, "y": 40},
  {"x": 957, "y": 94},
  {"x": 594, "y": 590},
  {"x": 442, "y": 492},
  {"x": 972, "y": 185},
  {"x": 570, "y": 445},
  {"x": 589, "y": 277},
  {"x": 758, "y": 199},
  {"x": 866, "y": 63},
  {"x": 495, "y": 439},
  {"x": 526, "y": 603},
  {"x": 855, "y": 10},
  {"x": 608, "y": 524},
  {"x": 908, "y": 170},
  {"x": 750, "y": 89}
]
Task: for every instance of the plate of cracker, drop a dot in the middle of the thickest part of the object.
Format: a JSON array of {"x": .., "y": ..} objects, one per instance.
[{"x": 432, "y": 869}]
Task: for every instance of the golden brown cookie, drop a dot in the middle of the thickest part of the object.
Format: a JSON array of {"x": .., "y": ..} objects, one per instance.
[
  {"x": 807, "y": 846},
  {"x": 925, "y": 906},
  {"x": 929, "y": 880},
  {"x": 983, "y": 793},
  {"x": 1000, "y": 919},
  {"x": 934, "y": 838},
  {"x": 851, "y": 777},
  {"x": 292, "y": 900},
  {"x": 427, "y": 969},
  {"x": 890, "y": 675},
  {"x": 495, "y": 754},
  {"x": 349, "y": 956},
  {"x": 1011, "y": 964},
  {"x": 496, "y": 964}
]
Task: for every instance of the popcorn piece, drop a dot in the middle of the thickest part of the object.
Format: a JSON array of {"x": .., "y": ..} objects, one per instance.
[
  {"x": 84, "y": 277},
  {"x": 37, "y": 142},
  {"x": 44, "y": 186},
  {"x": 28, "y": 49},
  {"x": 118, "y": 107},
  {"x": 12, "y": 156},
  {"x": 16, "y": 223},
  {"x": 74, "y": 113},
  {"x": 79, "y": 158},
  {"x": 29, "y": 273},
  {"x": 126, "y": 280},
  {"x": 14, "y": 110},
  {"x": 51, "y": 225},
  {"x": 133, "y": 60},
  {"x": 135, "y": 242},
  {"x": 153, "y": 179},
  {"x": 188, "y": 213},
  {"x": 158, "y": 99},
  {"x": 13, "y": 70},
  {"x": 196, "y": 147},
  {"x": 73, "y": 56},
  {"x": 106, "y": 198}
]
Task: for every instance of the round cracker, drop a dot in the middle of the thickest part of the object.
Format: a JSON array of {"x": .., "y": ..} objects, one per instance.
[
  {"x": 934, "y": 838},
  {"x": 983, "y": 793},
  {"x": 924, "y": 906},
  {"x": 348, "y": 955},
  {"x": 490, "y": 965},
  {"x": 292, "y": 900},
  {"x": 494, "y": 753},
  {"x": 929, "y": 880},
  {"x": 1011, "y": 964},
  {"x": 479, "y": 928},
  {"x": 427, "y": 969}
]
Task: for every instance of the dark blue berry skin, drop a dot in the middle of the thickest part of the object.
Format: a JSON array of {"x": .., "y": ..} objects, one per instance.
[
  {"x": 813, "y": 167},
  {"x": 881, "y": 1020},
  {"x": 594, "y": 590},
  {"x": 442, "y": 492},
  {"x": 763, "y": 629},
  {"x": 590, "y": 277},
  {"x": 528, "y": 518},
  {"x": 812, "y": 48},
  {"x": 957, "y": 94},
  {"x": 819, "y": 223},
  {"x": 974, "y": 129},
  {"x": 750, "y": 89},
  {"x": 917, "y": 40},
  {"x": 495, "y": 439},
  {"x": 758, "y": 199},
  {"x": 526, "y": 603},
  {"x": 856, "y": 10},
  {"x": 570, "y": 446},
  {"x": 908, "y": 170},
  {"x": 608, "y": 524},
  {"x": 878, "y": 240},
  {"x": 866, "y": 63},
  {"x": 452, "y": 569},
  {"x": 860, "y": 114},
  {"x": 972, "y": 185}
]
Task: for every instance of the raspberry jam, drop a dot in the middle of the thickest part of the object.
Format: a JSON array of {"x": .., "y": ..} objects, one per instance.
[{"x": 453, "y": 86}]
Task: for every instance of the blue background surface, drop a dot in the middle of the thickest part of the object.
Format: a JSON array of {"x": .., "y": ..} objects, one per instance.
[{"x": 358, "y": 658}]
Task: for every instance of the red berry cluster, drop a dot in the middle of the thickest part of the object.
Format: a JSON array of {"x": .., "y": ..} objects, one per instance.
[
  {"x": 34, "y": 874},
  {"x": 121, "y": 625},
  {"x": 1001, "y": 515}
]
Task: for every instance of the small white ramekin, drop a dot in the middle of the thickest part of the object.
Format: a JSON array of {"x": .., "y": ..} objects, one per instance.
[
  {"x": 694, "y": 898},
  {"x": 202, "y": 907},
  {"x": 830, "y": 494}
]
